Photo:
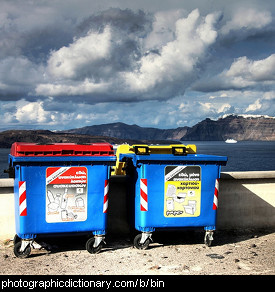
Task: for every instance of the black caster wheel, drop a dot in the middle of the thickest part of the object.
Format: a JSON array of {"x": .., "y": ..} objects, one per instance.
[
  {"x": 139, "y": 245},
  {"x": 20, "y": 254},
  {"x": 16, "y": 239},
  {"x": 90, "y": 246},
  {"x": 208, "y": 238}
]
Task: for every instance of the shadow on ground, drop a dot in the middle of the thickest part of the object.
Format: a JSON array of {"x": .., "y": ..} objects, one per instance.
[{"x": 160, "y": 238}]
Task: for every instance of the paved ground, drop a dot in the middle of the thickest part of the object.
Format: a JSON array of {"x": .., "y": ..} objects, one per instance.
[{"x": 184, "y": 253}]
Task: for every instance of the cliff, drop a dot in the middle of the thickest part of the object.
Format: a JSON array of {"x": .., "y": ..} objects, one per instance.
[
  {"x": 124, "y": 131},
  {"x": 241, "y": 128},
  {"x": 46, "y": 137},
  {"x": 250, "y": 128}
]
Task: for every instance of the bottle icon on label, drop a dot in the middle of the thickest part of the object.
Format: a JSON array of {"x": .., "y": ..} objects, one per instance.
[
  {"x": 64, "y": 200},
  {"x": 170, "y": 204}
]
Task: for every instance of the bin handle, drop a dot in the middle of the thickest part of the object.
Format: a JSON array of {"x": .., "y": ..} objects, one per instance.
[
  {"x": 137, "y": 151},
  {"x": 176, "y": 152},
  {"x": 10, "y": 171}
]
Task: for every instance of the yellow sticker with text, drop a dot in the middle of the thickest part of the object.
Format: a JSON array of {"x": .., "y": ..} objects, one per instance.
[{"x": 182, "y": 197}]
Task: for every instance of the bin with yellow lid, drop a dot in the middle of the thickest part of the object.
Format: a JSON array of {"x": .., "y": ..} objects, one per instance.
[
  {"x": 172, "y": 187},
  {"x": 176, "y": 149}
]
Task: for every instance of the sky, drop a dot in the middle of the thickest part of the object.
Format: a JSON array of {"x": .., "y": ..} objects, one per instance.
[{"x": 68, "y": 64}]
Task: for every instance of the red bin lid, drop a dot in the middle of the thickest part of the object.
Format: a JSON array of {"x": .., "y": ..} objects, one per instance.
[{"x": 61, "y": 149}]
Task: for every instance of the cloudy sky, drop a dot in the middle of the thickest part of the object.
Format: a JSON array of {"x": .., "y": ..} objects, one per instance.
[{"x": 155, "y": 63}]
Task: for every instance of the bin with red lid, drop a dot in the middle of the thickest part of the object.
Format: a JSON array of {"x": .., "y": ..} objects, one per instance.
[{"x": 60, "y": 188}]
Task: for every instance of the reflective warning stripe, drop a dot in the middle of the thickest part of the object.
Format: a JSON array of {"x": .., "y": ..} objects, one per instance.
[
  {"x": 143, "y": 195},
  {"x": 216, "y": 193},
  {"x": 22, "y": 199},
  {"x": 106, "y": 196}
]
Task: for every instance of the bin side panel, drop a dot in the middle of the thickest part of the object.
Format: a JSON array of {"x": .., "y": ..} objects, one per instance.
[
  {"x": 69, "y": 204},
  {"x": 186, "y": 203}
]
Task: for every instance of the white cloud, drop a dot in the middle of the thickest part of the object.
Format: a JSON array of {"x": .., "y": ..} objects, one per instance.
[
  {"x": 269, "y": 95},
  {"x": 243, "y": 73},
  {"x": 153, "y": 65},
  {"x": 171, "y": 70},
  {"x": 253, "y": 107},
  {"x": 80, "y": 56},
  {"x": 31, "y": 113},
  {"x": 214, "y": 109},
  {"x": 226, "y": 107},
  {"x": 264, "y": 104},
  {"x": 247, "y": 18},
  {"x": 221, "y": 95},
  {"x": 259, "y": 70},
  {"x": 92, "y": 65},
  {"x": 163, "y": 28},
  {"x": 72, "y": 88},
  {"x": 224, "y": 95}
]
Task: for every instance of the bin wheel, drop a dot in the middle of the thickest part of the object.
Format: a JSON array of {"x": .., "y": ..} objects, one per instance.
[
  {"x": 19, "y": 253},
  {"x": 90, "y": 246},
  {"x": 139, "y": 245},
  {"x": 208, "y": 239},
  {"x": 16, "y": 239}
]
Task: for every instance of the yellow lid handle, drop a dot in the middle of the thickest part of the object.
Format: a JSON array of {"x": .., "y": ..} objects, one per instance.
[
  {"x": 141, "y": 149},
  {"x": 177, "y": 150}
]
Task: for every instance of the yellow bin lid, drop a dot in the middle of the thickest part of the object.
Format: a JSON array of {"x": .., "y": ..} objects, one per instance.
[{"x": 143, "y": 149}]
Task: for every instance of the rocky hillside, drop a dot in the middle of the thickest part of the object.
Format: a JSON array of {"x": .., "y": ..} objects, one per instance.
[
  {"x": 241, "y": 128},
  {"x": 46, "y": 137},
  {"x": 249, "y": 128},
  {"x": 124, "y": 131},
  {"x": 260, "y": 128}
]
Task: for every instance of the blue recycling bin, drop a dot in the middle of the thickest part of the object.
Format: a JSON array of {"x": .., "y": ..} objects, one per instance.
[
  {"x": 60, "y": 189},
  {"x": 173, "y": 191}
]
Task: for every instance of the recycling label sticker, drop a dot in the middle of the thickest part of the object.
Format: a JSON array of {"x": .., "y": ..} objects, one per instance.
[
  {"x": 66, "y": 194},
  {"x": 182, "y": 197}
]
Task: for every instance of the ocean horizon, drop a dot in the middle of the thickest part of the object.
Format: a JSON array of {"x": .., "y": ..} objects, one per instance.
[{"x": 242, "y": 156}]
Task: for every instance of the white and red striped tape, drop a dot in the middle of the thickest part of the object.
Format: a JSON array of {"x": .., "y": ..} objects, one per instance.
[
  {"x": 216, "y": 193},
  {"x": 22, "y": 199},
  {"x": 106, "y": 196},
  {"x": 143, "y": 195}
]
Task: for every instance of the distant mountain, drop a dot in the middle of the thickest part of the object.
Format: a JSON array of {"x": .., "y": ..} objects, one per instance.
[
  {"x": 239, "y": 127},
  {"x": 46, "y": 137},
  {"x": 124, "y": 131}
]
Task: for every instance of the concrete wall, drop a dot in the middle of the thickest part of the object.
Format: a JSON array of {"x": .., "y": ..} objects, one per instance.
[
  {"x": 7, "y": 221},
  {"x": 246, "y": 200}
]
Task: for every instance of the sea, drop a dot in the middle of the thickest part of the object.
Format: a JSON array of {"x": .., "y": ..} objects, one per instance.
[{"x": 242, "y": 156}]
